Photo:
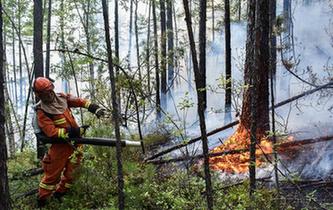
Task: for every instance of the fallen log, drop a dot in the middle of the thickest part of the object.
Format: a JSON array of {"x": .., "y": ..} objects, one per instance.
[
  {"x": 280, "y": 147},
  {"x": 178, "y": 146},
  {"x": 26, "y": 194},
  {"x": 28, "y": 173},
  {"x": 229, "y": 152}
]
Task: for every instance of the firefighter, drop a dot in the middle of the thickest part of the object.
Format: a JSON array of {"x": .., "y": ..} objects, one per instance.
[{"x": 55, "y": 119}]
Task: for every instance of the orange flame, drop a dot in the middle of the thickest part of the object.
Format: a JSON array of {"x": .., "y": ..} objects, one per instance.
[{"x": 239, "y": 163}]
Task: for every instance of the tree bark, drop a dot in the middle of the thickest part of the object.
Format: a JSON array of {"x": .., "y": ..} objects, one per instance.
[
  {"x": 4, "y": 188},
  {"x": 115, "y": 111},
  {"x": 48, "y": 40},
  {"x": 227, "y": 53}
]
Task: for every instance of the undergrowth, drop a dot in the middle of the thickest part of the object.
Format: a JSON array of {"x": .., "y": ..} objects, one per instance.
[{"x": 146, "y": 186}]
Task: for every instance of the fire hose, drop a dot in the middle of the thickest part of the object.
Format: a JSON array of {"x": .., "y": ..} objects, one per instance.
[{"x": 98, "y": 141}]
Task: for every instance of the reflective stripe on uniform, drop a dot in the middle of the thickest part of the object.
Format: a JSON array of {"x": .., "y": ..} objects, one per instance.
[
  {"x": 67, "y": 185},
  {"x": 47, "y": 186},
  {"x": 60, "y": 121},
  {"x": 62, "y": 133},
  {"x": 87, "y": 104}
]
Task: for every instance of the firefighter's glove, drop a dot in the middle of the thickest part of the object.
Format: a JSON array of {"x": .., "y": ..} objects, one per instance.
[
  {"x": 97, "y": 110},
  {"x": 77, "y": 132},
  {"x": 83, "y": 129},
  {"x": 100, "y": 112}
]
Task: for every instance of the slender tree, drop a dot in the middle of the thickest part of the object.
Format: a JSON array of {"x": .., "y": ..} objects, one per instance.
[
  {"x": 4, "y": 188},
  {"x": 148, "y": 47},
  {"x": 116, "y": 45},
  {"x": 48, "y": 40},
  {"x": 163, "y": 49},
  {"x": 20, "y": 50},
  {"x": 170, "y": 43},
  {"x": 157, "y": 71},
  {"x": 213, "y": 21},
  {"x": 199, "y": 77},
  {"x": 137, "y": 38},
  {"x": 14, "y": 59},
  {"x": 130, "y": 34},
  {"x": 239, "y": 9},
  {"x": 8, "y": 117},
  {"x": 115, "y": 110},
  {"x": 227, "y": 54}
]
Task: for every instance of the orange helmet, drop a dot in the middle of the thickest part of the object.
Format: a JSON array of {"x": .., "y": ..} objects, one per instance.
[{"x": 42, "y": 84}]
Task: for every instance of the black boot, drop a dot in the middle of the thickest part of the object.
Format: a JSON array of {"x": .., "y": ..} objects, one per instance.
[
  {"x": 59, "y": 195},
  {"x": 41, "y": 203}
]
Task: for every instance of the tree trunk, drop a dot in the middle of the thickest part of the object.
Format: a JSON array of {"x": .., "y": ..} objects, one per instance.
[
  {"x": 137, "y": 39},
  {"x": 213, "y": 21},
  {"x": 255, "y": 110},
  {"x": 115, "y": 111},
  {"x": 148, "y": 48},
  {"x": 200, "y": 80},
  {"x": 38, "y": 53},
  {"x": 48, "y": 39},
  {"x": 272, "y": 70},
  {"x": 157, "y": 71},
  {"x": 202, "y": 53},
  {"x": 63, "y": 45},
  {"x": 177, "y": 61},
  {"x": 198, "y": 73},
  {"x": 163, "y": 50},
  {"x": 170, "y": 43},
  {"x": 257, "y": 41},
  {"x": 20, "y": 51},
  {"x": 116, "y": 46},
  {"x": 130, "y": 35},
  {"x": 38, "y": 38},
  {"x": 4, "y": 188},
  {"x": 8, "y": 117},
  {"x": 89, "y": 45},
  {"x": 239, "y": 10},
  {"x": 14, "y": 65},
  {"x": 227, "y": 54},
  {"x": 272, "y": 37}
]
